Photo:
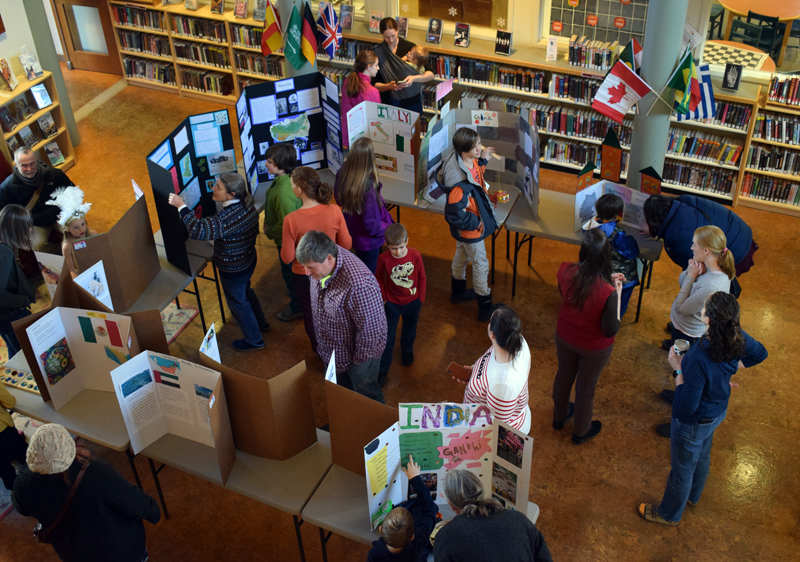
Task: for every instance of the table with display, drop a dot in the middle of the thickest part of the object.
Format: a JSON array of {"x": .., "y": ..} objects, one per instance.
[
  {"x": 785, "y": 10},
  {"x": 340, "y": 506},
  {"x": 285, "y": 485},
  {"x": 556, "y": 222}
]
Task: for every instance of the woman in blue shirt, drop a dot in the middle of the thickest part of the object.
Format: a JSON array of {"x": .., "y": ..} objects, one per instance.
[{"x": 701, "y": 401}]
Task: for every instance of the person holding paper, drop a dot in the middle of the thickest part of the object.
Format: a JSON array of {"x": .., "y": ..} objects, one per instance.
[
  {"x": 587, "y": 323},
  {"x": 16, "y": 227},
  {"x": 71, "y": 221},
  {"x": 30, "y": 186},
  {"x": 103, "y": 522},
  {"x": 234, "y": 230},
  {"x": 358, "y": 87}
]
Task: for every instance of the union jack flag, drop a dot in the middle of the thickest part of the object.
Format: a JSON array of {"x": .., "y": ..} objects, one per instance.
[{"x": 329, "y": 30}]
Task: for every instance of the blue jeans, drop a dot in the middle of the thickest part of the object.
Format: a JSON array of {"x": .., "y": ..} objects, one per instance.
[
  {"x": 624, "y": 299},
  {"x": 690, "y": 453},
  {"x": 363, "y": 378},
  {"x": 286, "y": 273},
  {"x": 370, "y": 258},
  {"x": 7, "y": 331},
  {"x": 678, "y": 335},
  {"x": 244, "y": 305},
  {"x": 410, "y": 314}
]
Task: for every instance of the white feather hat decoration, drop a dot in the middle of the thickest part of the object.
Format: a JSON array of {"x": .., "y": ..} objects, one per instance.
[{"x": 70, "y": 201}]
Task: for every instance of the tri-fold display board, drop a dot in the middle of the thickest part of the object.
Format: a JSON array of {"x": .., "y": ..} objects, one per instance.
[
  {"x": 633, "y": 201},
  {"x": 516, "y": 144},
  {"x": 187, "y": 163},
  {"x": 303, "y": 110}
]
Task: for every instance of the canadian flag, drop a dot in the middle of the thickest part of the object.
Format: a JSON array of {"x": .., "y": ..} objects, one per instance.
[{"x": 621, "y": 89}]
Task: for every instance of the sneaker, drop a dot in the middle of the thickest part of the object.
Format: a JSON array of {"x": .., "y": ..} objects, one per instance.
[
  {"x": 594, "y": 430},
  {"x": 663, "y": 429},
  {"x": 408, "y": 359},
  {"x": 286, "y": 315},
  {"x": 265, "y": 328},
  {"x": 649, "y": 512},
  {"x": 667, "y": 395},
  {"x": 570, "y": 413},
  {"x": 669, "y": 328},
  {"x": 242, "y": 346},
  {"x": 666, "y": 344}
]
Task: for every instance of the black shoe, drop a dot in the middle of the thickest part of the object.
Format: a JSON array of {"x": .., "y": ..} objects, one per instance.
[
  {"x": 265, "y": 328},
  {"x": 484, "y": 307},
  {"x": 666, "y": 344},
  {"x": 663, "y": 429},
  {"x": 242, "y": 346},
  {"x": 459, "y": 292},
  {"x": 570, "y": 413},
  {"x": 594, "y": 430},
  {"x": 408, "y": 359},
  {"x": 382, "y": 378},
  {"x": 667, "y": 395},
  {"x": 669, "y": 328}
]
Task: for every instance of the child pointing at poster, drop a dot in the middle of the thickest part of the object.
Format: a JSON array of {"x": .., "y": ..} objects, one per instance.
[{"x": 406, "y": 529}]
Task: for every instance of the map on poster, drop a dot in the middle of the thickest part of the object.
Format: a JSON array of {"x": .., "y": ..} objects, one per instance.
[{"x": 290, "y": 128}]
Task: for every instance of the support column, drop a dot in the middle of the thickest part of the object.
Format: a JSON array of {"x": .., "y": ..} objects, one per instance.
[{"x": 660, "y": 52}]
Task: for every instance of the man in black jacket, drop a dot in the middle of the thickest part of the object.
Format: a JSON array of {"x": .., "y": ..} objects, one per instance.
[{"x": 30, "y": 186}]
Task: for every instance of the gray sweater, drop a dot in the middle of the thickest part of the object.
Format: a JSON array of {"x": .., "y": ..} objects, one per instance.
[{"x": 685, "y": 313}]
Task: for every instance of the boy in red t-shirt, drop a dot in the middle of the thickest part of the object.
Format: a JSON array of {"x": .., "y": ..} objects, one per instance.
[{"x": 401, "y": 276}]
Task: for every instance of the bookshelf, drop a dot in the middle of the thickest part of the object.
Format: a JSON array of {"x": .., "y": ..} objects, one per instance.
[{"x": 61, "y": 138}]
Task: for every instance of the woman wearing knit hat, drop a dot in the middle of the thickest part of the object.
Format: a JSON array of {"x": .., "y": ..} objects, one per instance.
[{"x": 103, "y": 521}]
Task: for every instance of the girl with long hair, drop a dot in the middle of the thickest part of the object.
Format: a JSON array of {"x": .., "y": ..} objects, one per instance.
[
  {"x": 358, "y": 191},
  {"x": 358, "y": 87},
  {"x": 316, "y": 213},
  {"x": 702, "y": 392},
  {"x": 16, "y": 292},
  {"x": 587, "y": 322}
]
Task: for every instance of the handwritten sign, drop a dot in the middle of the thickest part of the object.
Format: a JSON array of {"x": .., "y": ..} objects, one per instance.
[
  {"x": 443, "y": 88},
  {"x": 485, "y": 118},
  {"x": 424, "y": 446},
  {"x": 470, "y": 446}
]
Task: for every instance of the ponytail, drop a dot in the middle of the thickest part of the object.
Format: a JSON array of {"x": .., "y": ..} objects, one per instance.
[
  {"x": 355, "y": 86},
  {"x": 464, "y": 491},
  {"x": 506, "y": 326},
  {"x": 308, "y": 181},
  {"x": 727, "y": 264}
]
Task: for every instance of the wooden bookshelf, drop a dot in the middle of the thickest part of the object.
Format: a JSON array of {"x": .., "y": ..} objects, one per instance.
[{"x": 61, "y": 138}]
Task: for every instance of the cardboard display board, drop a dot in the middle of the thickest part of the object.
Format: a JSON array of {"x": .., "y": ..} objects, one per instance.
[
  {"x": 303, "y": 110},
  {"x": 270, "y": 418},
  {"x": 354, "y": 421},
  {"x": 395, "y": 137},
  {"x": 145, "y": 331},
  {"x": 187, "y": 163},
  {"x": 512, "y": 137},
  {"x": 51, "y": 267},
  {"x": 129, "y": 256},
  {"x": 385, "y": 477},
  {"x": 160, "y": 394},
  {"x": 633, "y": 211}
]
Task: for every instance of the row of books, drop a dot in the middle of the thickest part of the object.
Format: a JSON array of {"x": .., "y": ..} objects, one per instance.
[
  {"x": 774, "y": 159},
  {"x": 704, "y": 178},
  {"x": 576, "y": 88},
  {"x": 137, "y": 17},
  {"x": 200, "y": 28},
  {"x": 206, "y": 81},
  {"x": 199, "y": 53},
  {"x": 444, "y": 66},
  {"x": 429, "y": 96},
  {"x": 587, "y": 53},
  {"x": 766, "y": 188},
  {"x": 47, "y": 126},
  {"x": 777, "y": 127},
  {"x": 580, "y": 123},
  {"x": 785, "y": 89},
  {"x": 336, "y": 75},
  {"x": 703, "y": 146},
  {"x": 252, "y": 63},
  {"x": 559, "y": 151},
  {"x": 733, "y": 115},
  {"x": 489, "y": 73},
  {"x": 349, "y": 49},
  {"x": 9, "y": 121},
  {"x": 156, "y": 45},
  {"x": 246, "y": 36},
  {"x": 425, "y": 121},
  {"x": 161, "y": 72}
]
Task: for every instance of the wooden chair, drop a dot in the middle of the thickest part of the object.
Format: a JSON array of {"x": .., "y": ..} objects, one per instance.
[
  {"x": 771, "y": 33},
  {"x": 715, "y": 21},
  {"x": 747, "y": 33}
]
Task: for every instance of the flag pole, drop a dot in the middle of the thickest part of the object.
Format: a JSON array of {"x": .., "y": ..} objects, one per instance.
[{"x": 658, "y": 95}]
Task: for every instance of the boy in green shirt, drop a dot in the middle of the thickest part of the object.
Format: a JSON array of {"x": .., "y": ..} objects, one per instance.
[{"x": 281, "y": 161}]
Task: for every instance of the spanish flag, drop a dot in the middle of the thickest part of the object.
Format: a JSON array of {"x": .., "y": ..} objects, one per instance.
[
  {"x": 272, "y": 37},
  {"x": 308, "y": 44}
]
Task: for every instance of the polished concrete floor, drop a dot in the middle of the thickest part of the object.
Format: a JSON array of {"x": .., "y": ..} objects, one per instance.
[{"x": 587, "y": 494}]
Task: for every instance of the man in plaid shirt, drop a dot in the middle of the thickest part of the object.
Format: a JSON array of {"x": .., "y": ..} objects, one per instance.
[{"x": 347, "y": 308}]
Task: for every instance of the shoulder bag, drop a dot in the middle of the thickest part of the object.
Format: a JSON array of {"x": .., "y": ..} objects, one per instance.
[{"x": 41, "y": 534}]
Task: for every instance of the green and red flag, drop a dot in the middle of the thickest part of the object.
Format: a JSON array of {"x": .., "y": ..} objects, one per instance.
[
  {"x": 686, "y": 84},
  {"x": 294, "y": 33}
]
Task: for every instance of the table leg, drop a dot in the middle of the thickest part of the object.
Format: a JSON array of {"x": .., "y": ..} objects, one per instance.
[
  {"x": 645, "y": 265},
  {"x": 508, "y": 243},
  {"x": 199, "y": 305},
  {"x": 177, "y": 302},
  {"x": 729, "y": 25},
  {"x": 514, "y": 275},
  {"x": 650, "y": 275},
  {"x": 785, "y": 42},
  {"x": 133, "y": 466},
  {"x": 495, "y": 234},
  {"x": 323, "y": 542},
  {"x": 219, "y": 292},
  {"x": 530, "y": 249},
  {"x": 299, "y": 537},
  {"x": 155, "y": 472}
]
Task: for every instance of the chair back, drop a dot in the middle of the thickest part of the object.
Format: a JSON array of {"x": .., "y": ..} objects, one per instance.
[
  {"x": 747, "y": 33},
  {"x": 771, "y": 36}
]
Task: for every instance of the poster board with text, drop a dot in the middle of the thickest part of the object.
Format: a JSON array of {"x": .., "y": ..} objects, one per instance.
[{"x": 633, "y": 200}]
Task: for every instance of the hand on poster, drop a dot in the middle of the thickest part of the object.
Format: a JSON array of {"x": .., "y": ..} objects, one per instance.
[
  {"x": 411, "y": 468},
  {"x": 175, "y": 200}
]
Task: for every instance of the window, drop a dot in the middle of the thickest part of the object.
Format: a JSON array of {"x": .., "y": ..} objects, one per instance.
[{"x": 614, "y": 20}]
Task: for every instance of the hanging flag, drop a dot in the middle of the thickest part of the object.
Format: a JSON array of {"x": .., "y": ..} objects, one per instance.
[
  {"x": 294, "y": 31},
  {"x": 309, "y": 42},
  {"x": 272, "y": 37},
  {"x": 687, "y": 87},
  {"x": 632, "y": 55},
  {"x": 330, "y": 33},
  {"x": 620, "y": 90},
  {"x": 707, "y": 108}
]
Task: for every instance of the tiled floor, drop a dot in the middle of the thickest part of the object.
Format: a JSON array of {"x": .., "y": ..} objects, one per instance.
[{"x": 587, "y": 494}]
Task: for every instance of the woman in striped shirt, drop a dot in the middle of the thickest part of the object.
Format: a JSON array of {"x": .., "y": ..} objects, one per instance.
[{"x": 500, "y": 377}]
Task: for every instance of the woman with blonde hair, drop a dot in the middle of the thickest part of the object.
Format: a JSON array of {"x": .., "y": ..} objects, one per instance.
[
  {"x": 483, "y": 529},
  {"x": 358, "y": 191},
  {"x": 358, "y": 87}
]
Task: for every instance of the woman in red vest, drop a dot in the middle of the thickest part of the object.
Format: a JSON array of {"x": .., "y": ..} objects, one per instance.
[{"x": 587, "y": 323}]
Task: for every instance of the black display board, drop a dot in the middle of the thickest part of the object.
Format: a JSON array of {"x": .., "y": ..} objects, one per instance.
[
  {"x": 304, "y": 110},
  {"x": 187, "y": 163}
]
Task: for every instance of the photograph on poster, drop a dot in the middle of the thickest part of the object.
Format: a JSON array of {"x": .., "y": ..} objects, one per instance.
[
  {"x": 222, "y": 162},
  {"x": 504, "y": 483}
]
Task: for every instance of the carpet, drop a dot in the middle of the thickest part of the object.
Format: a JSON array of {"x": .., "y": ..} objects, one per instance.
[{"x": 176, "y": 319}]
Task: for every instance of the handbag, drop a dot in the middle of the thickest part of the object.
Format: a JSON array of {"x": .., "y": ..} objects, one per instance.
[{"x": 41, "y": 534}]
